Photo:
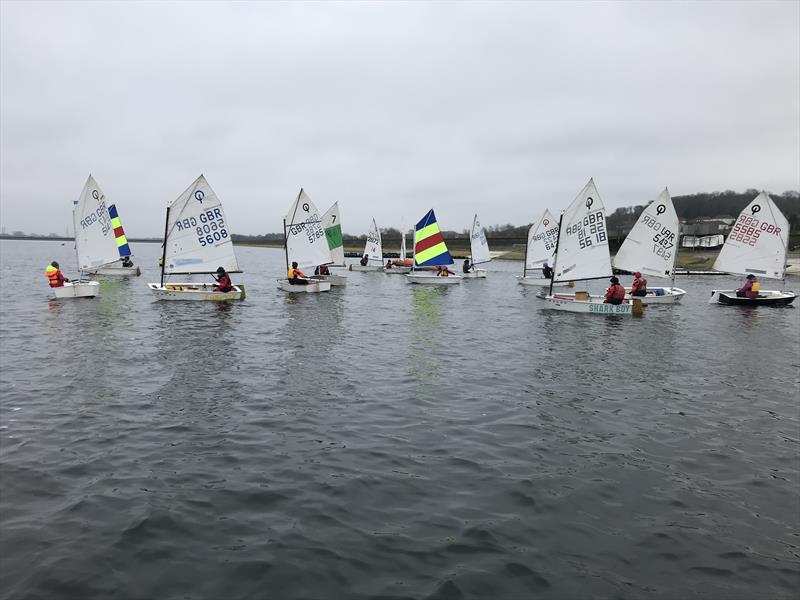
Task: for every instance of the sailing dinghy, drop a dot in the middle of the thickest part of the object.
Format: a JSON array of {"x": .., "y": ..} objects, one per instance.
[
  {"x": 479, "y": 251},
  {"x": 402, "y": 265},
  {"x": 306, "y": 244},
  {"x": 94, "y": 246},
  {"x": 651, "y": 248},
  {"x": 331, "y": 224},
  {"x": 757, "y": 244},
  {"x": 430, "y": 251},
  {"x": 540, "y": 249},
  {"x": 123, "y": 248},
  {"x": 582, "y": 254},
  {"x": 372, "y": 250},
  {"x": 197, "y": 241}
]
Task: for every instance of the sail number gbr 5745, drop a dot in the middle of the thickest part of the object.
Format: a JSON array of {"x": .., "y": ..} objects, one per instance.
[{"x": 209, "y": 226}]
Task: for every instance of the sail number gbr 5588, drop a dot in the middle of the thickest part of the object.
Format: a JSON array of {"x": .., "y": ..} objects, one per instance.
[{"x": 209, "y": 226}]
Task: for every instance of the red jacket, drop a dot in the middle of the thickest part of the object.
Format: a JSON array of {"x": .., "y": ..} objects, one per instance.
[
  {"x": 224, "y": 284},
  {"x": 639, "y": 282},
  {"x": 616, "y": 291},
  {"x": 747, "y": 289}
]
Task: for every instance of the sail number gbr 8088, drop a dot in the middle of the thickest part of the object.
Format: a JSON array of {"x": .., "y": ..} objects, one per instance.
[
  {"x": 209, "y": 226},
  {"x": 590, "y": 230}
]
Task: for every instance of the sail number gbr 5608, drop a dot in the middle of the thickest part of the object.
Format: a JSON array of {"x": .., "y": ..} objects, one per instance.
[{"x": 209, "y": 226}]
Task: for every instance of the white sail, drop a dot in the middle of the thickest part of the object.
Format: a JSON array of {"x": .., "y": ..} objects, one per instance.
[
  {"x": 332, "y": 224},
  {"x": 95, "y": 243},
  {"x": 652, "y": 244},
  {"x": 198, "y": 238},
  {"x": 403, "y": 245},
  {"x": 479, "y": 247},
  {"x": 541, "y": 247},
  {"x": 583, "y": 240},
  {"x": 758, "y": 241},
  {"x": 373, "y": 247},
  {"x": 306, "y": 243}
]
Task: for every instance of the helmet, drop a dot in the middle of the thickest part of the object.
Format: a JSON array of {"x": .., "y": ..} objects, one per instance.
[
  {"x": 614, "y": 280},
  {"x": 294, "y": 265},
  {"x": 751, "y": 276},
  {"x": 637, "y": 274},
  {"x": 55, "y": 264},
  {"x": 220, "y": 270}
]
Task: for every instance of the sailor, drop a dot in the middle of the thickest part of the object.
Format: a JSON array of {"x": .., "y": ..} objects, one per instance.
[
  {"x": 467, "y": 266},
  {"x": 443, "y": 271},
  {"x": 54, "y": 275},
  {"x": 365, "y": 260},
  {"x": 547, "y": 271},
  {"x": 389, "y": 263},
  {"x": 322, "y": 270},
  {"x": 296, "y": 276},
  {"x": 615, "y": 294},
  {"x": 126, "y": 261},
  {"x": 639, "y": 285},
  {"x": 223, "y": 281},
  {"x": 748, "y": 290}
]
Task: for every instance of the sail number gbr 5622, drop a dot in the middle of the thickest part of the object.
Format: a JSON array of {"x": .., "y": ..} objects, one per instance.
[{"x": 209, "y": 226}]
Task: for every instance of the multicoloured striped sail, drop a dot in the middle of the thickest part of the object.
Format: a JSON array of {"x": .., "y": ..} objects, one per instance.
[
  {"x": 429, "y": 247},
  {"x": 119, "y": 233}
]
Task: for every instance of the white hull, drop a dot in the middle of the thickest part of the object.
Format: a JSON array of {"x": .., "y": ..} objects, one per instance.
[
  {"x": 194, "y": 291},
  {"x": 397, "y": 270},
  {"x": 337, "y": 280},
  {"x": 476, "y": 274},
  {"x": 133, "y": 271},
  {"x": 766, "y": 298},
  {"x": 85, "y": 289},
  {"x": 367, "y": 269},
  {"x": 430, "y": 278},
  {"x": 539, "y": 282},
  {"x": 314, "y": 285},
  {"x": 594, "y": 305},
  {"x": 669, "y": 295}
]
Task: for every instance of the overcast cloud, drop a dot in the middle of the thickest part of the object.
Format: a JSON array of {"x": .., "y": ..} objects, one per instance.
[{"x": 391, "y": 108}]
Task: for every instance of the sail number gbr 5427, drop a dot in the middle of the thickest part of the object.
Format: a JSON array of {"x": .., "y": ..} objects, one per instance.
[{"x": 209, "y": 226}]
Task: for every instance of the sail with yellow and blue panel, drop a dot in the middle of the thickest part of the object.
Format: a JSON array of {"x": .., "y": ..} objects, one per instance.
[
  {"x": 429, "y": 247},
  {"x": 119, "y": 234}
]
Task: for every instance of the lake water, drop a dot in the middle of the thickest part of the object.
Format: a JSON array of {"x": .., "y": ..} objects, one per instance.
[{"x": 393, "y": 441}]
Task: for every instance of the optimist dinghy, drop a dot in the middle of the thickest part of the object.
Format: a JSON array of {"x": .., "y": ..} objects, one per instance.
[
  {"x": 373, "y": 250},
  {"x": 118, "y": 269},
  {"x": 430, "y": 251},
  {"x": 197, "y": 241},
  {"x": 582, "y": 254},
  {"x": 651, "y": 248},
  {"x": 756, "y": 245},
  {"x": 94, "y": 242},
  {"x": 540, "y": 248},
  {"x": 306, "y": 244},
  {"x": 479, "y": 251}
]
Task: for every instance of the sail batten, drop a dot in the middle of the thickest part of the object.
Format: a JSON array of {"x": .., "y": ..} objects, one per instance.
[
  {"x": 306, "y": 241},
  {"x": 652, "y": 244},
  {"x": 758, "y": 242},
  {"x": 198, "y": 239},
  {"x": 582, "y": 251},
  {"x": 479, "y": 247}
]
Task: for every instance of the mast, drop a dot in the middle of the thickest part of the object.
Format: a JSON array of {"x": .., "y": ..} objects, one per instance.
[
  {"x": 286, "y": 245},
  {"x": 525, "y": 260},
  {"x": 555, "y": 260},
  {"x": 164, "y": 251},
  {"x": 75, "y": 232},
  {"x": 675, "y": 257}
]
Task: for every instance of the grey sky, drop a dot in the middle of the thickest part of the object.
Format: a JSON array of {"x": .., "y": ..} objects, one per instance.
[{"x": 502, "y": 109}]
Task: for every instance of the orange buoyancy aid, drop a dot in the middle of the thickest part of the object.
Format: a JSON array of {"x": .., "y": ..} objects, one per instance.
[
  {"x": 640, "y": 283},
  {"x": 617, "y": 292},
  {"x": 52, "y": 275},
  {"x": 295, "y": 273}
]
